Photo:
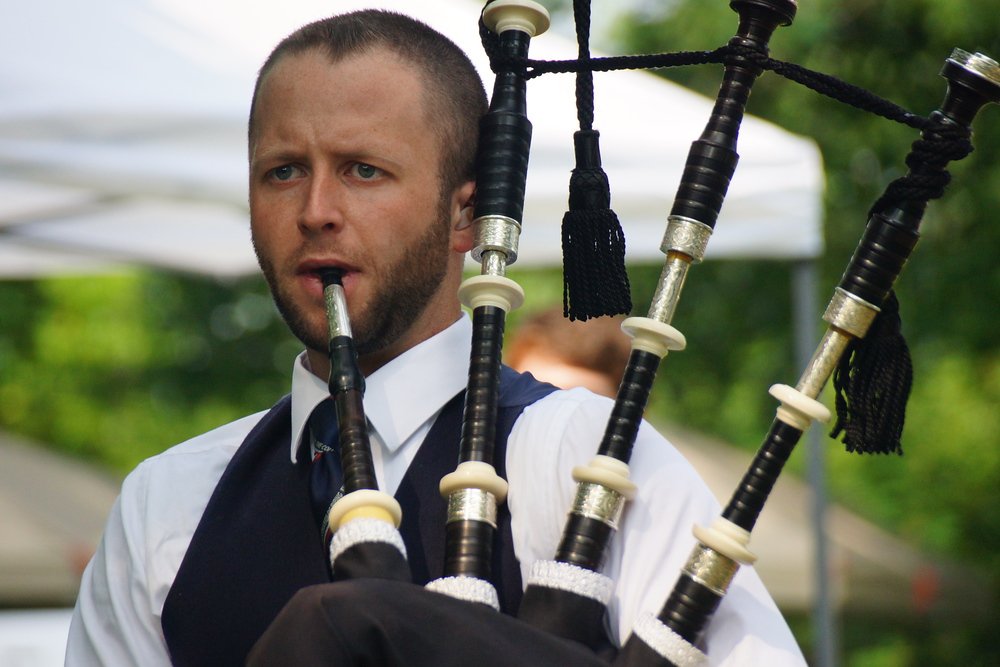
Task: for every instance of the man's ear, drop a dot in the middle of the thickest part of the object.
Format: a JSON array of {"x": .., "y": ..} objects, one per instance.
[{"x": 462, "y": 204}]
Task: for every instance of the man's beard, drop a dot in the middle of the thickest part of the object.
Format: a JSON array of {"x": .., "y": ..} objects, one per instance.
[{"x": 401, "y": 293}]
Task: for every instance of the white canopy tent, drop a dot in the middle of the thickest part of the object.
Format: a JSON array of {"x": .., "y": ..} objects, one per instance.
[{"x": 122, "y": 138}]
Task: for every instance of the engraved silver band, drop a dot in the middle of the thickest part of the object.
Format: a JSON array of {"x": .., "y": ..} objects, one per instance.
[
  {"x": 850, "y": 313},
  {"x": 823, "y": 362},
  {"x": 711, "y": 569},
  {"x": 687, "y": 236},
  {"x": 336, "y": 311},
  {"x": 472, "y": 505},
  {"x": 596, "y": 501},
  {"x": 668, "y": 290},
  {"x": 494, "y": 263},
  {"x": 496, "y": 232}
]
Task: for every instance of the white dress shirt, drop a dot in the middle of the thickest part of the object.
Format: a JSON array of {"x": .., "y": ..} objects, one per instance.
[{"x": 117, "y": 617}]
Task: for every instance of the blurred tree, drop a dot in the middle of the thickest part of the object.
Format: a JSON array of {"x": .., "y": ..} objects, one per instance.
[{"x": 120, "y": 367}]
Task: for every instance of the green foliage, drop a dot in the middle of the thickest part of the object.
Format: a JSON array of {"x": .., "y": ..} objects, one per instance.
[{"x": 118, "y": 368}]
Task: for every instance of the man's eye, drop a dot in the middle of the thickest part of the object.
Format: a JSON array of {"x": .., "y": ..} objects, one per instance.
[
  {"x": 283, "y": 173},
  {"x": 366, "y": 171}
]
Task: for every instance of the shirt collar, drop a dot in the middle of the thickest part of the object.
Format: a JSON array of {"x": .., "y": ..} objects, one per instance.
[{"x": 403, "y": 394}]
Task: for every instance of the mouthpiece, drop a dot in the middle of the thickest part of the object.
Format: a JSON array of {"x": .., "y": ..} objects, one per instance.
[
  {"x": 338, "y": 322},
  {"x": 331, "y": 276}
]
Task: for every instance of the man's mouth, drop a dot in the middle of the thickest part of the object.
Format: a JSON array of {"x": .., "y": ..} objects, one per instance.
[{"x": 312, "y": 271}]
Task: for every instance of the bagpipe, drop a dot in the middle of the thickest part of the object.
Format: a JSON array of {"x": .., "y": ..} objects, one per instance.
[
  {"x": 364, "y": 521},
  {"x": 566, "y": 597}
]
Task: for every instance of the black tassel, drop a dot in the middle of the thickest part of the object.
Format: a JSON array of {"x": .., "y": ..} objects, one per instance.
[
  {"x": 595, "y": 282},
  {"x": 594, "y": 279},
  {"x": 872, "y": 385}
]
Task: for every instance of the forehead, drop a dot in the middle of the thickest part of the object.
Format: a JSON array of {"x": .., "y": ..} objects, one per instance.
[
  {"x": 373, "y": 97},
  {"x": 375, "y": 75},
  {"x": 371, "y": 102}
]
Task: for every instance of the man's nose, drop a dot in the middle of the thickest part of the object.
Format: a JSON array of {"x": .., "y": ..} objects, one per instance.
[{"x": 323, "y": 207}]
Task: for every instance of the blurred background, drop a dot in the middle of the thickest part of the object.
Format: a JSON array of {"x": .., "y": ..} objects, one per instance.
[{"x": 107, "y": 356}]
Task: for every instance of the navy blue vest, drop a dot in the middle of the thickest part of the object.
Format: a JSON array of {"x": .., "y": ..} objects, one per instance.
[{"x": 257, "y": 543}]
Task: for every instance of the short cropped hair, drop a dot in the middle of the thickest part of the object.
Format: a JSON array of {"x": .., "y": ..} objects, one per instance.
[{"x": 454, "y": 93}]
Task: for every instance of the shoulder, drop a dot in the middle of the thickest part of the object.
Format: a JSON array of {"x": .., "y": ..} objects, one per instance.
[
  {"x": 195, "y": 458},
  {"x": 189, "y": 468},
  {"x": 566, "y": 405},
  {"x": 162, "y": 500},
  {"x": 146, "y": 536},
  {"x": 563, "y": 424},
  {"x": 521, "y": 388},
  {"x": 574, "y": 420}
]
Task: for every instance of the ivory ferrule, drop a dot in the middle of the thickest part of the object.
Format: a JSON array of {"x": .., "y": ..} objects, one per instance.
[
  {"x": 687, "y": 236},
  {"x": 606, "y": 471},
  {"x": 474, "y": 475},
  {"x": 653, "y": 336},
  {"x": 494, "y": 290},
  {"x": 367, "y": 503},
  {"x": 850, "y": 313},
  {"x": 496, "y": 233},
  {"x": 472, "y": 505},
  {"x": 596, "y": 501},
  {"x": 524, "y": 15},
  {"x": 796, "y": 409},
  {"x": 711, "y": 569},
  {"x": 726, "y": 538}
]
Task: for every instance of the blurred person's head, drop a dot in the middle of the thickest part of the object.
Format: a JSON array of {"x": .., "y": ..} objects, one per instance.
[{"x": 591, "y": 354}]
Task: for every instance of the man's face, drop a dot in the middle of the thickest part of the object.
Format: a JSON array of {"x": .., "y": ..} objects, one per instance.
[{"x": 344, "y": 171}]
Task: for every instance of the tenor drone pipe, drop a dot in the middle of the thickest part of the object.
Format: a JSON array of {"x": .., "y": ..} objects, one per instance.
[
  {"x": 474, "y": 489},
  {"x": 603, "y": 486},
  {"x": 973, "y": 81},
  {"x": 709, "y": 168}
]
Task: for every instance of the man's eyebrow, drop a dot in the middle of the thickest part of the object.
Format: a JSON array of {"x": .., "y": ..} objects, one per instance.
[{"x": 280, "y": 154}]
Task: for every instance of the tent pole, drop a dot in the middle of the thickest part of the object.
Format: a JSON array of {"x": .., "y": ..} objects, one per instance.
[{"x": 804, "y": 307}]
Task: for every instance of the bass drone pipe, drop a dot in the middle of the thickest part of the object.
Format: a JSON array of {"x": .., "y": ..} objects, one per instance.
[{"x": 474, "y": 489}]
